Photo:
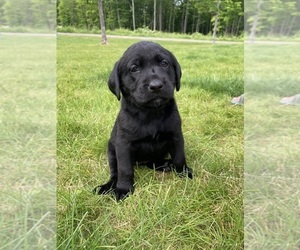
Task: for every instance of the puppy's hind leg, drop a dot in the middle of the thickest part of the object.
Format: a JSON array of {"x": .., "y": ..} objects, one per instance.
[{"x": 110, "y": 186}]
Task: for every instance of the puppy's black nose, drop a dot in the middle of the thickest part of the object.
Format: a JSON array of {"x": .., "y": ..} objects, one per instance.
[{"x": 155, "y": 86}]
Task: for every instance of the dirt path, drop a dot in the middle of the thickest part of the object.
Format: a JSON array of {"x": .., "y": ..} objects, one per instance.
[
  {"x": 120, "y": 37},
  {"x": 27, "y": 34},
  {"x": 151, "y": 38},
  {"x": 184, "y": 40}
]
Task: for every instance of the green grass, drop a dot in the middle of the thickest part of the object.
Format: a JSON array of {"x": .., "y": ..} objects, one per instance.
[
  {"x": 165, "y": 212},
  {"x": 271, "y": 148},
  {"x": 27, "y": 137}
]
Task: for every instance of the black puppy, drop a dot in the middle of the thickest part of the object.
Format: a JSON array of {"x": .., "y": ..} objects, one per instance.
[{"x": 148, "y": 127}]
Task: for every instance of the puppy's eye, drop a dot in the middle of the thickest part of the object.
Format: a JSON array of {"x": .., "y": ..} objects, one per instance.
[
  {"x": 164, "y": 63},
  {"x": 134, "y": 68}
]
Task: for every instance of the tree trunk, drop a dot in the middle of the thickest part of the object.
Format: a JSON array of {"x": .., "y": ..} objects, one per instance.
[
  {"x": 160, "y": 16},
  {"x": 197, "y": 23},
  {"x": 118, "y": 15},
  {"x": 194, "y": 22},
  {"x": 154, "y": 16},
  {"x": 255, "y": 22},
  {"x": 291, "y": 25},
  {"x": 282, "y": 27},
  {"x": 233, "y": 26},
  {"x": 133, "y": 15},
  {"x": 238, "y": 26},
  {"x": 186, "y": 17},
  {"x": 144, "y": 15},
  {"x": 170, "y": 19},
  {"x": 216, "y": 22},
  {"x": 271, "y": 31},
  {"x": 102, "y": 23}
]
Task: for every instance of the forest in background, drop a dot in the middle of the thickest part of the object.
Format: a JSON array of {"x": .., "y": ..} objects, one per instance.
[
  {"x": 38, "y": 14},
  {"x": 266, "y": 18},
  {"x": 180, "y": 16}
]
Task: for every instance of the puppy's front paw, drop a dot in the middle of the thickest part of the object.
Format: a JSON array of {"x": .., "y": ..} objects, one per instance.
[
  {"x": 186, "y": 172},
  {"x": 106, "y": 188},
  {"x": 123, "y": 193}
]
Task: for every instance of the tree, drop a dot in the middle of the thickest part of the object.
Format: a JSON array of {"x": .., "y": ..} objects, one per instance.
[
  {"x": 185, "y": 16},
  {"x": 231, "y": 16},
  {"x": 2, "y": 20},
  {"x": 133, "y": 14},
  {"x": 160, "y": 16},
  {"x": 216, "y": 21},
  {"x": 102, "y": 22},
  {"x": 68, "y": 13},
  {"x": 154, "y": 15},
  {"x": 255, "y": 23},
  {"x": 272, "y": 18},
  {"x": 118, "y": 14},
  {"x": 28, "y": 13}
]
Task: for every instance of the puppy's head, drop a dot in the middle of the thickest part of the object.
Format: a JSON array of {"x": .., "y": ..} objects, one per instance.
[{"x": 147, "y": 74}]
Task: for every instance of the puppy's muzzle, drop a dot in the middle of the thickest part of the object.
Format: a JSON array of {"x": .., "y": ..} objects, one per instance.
[{"x": 155, "y": 86}]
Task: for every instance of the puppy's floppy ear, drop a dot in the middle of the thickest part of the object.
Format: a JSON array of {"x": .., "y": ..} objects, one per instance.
[
  {"x": 177, "y": 69},
  {"x": 114, "y": 81}
]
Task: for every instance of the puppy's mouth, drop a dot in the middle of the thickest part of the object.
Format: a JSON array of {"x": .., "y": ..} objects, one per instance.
[
  {"x": 158, "y": 102},
  {"x": 154, "y": 103}
]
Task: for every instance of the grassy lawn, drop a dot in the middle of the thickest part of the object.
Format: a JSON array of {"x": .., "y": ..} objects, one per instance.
[
  {"x": 28, "y": 146},
  {"x": 165, "y": 212},
  {"x": 272, "y": 152}
]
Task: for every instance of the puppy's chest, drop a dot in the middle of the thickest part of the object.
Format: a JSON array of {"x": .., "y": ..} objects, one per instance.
[
  {"x": 152, "y": 138},
  {"x": 155, "y": 130},
  {"x": 157, "y": 137}
]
